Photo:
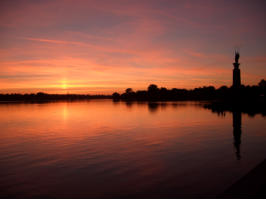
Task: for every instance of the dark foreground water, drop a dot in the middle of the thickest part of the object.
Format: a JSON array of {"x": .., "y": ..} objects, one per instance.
[{"x": 105, "y": 149}]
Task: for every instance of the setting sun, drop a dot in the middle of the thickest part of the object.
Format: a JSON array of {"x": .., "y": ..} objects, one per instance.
[{"x": 64, "y": 85}]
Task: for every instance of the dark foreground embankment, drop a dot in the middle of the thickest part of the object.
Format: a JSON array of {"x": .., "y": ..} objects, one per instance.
[{"x": 253, "y": 185}]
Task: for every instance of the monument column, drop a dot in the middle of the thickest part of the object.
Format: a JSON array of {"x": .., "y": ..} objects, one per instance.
[{"x": 236, "y": 72}]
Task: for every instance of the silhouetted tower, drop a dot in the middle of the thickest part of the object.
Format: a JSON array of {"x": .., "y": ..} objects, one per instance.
[{"x": 236, "y": 72}]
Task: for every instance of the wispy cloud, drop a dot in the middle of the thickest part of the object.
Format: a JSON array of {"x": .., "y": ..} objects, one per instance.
[{"x": 55, "y": 41}]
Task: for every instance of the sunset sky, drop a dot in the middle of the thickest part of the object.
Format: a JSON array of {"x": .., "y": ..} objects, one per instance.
[{"x": 102, "y": 46}]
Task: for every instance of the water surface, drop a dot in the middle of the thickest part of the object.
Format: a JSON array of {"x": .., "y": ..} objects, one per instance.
[{"x": 105, "y": 149}]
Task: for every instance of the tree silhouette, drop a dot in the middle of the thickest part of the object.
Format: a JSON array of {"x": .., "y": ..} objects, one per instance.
[
  {"x": 115, "y": 95},
  {"x": 262, "y": 83},
  {"x": 153, "y": 88},
  {"x": 129, "y": 90}
]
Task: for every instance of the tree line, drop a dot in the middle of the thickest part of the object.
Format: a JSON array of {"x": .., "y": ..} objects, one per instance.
[
  {"x": 40, "y": 96},
  {"x": 153, "y": 92}
]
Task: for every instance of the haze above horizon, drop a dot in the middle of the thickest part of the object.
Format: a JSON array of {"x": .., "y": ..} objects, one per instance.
[{"x": 102, "y": 46}]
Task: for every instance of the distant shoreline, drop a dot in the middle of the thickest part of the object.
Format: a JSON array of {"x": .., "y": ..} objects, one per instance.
[{"x": 226, "y": 94}]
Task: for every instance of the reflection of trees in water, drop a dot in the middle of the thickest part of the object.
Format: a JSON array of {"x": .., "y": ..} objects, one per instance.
[
  {"x": 236, "y": 114},
  {"x": 237, "y": 108},
  {"x": 153, "y": 107},
  {"x": 116, "y": 102},
  {"x": 249, "y": 108},
  {"x": 163, "y": 105},
  {"x": 221, "y": 114},
  {"x": 129, "y": 104},
  {"x": 174, "y": 104}
]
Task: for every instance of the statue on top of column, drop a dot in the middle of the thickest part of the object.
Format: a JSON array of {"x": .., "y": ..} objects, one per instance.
[{"x": 236, "y": 56}]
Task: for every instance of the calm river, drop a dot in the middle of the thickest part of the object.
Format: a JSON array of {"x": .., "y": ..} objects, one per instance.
[{"x": 102, "y": 148}]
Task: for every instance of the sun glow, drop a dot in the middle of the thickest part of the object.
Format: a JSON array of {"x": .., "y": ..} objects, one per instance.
[{"x": 64, "y": 85}]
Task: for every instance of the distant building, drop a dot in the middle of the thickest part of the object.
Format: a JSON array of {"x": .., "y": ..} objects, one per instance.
[{"x": 236, "y": 72}]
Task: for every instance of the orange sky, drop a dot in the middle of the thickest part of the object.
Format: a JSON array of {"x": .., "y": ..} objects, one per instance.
[{"x": 104, "y": 46}]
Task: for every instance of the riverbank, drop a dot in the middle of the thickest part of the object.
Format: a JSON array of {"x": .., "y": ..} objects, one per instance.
[{"x": 252, "y": 185}]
